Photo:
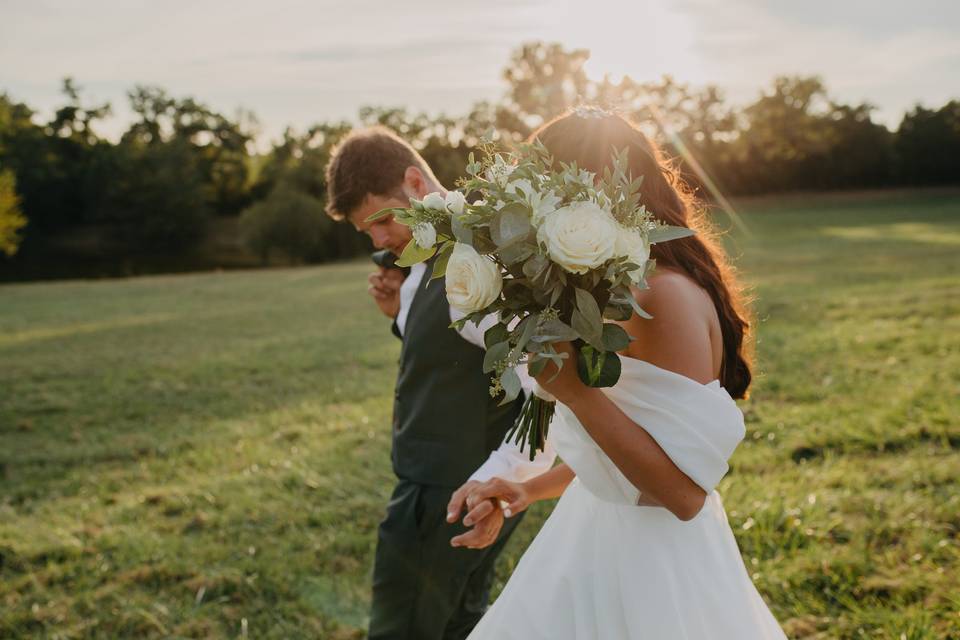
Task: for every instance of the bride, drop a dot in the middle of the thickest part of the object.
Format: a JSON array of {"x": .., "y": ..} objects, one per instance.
[{"x": 639, "y": 545}]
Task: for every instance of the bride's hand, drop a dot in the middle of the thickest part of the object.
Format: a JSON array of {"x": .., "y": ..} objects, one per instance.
[
  {"x": 485, "y": 529},
  {"x": 567, "y": 384},
  {"x": 512, "y": 497},
  {"x": 487, "y": 504}
]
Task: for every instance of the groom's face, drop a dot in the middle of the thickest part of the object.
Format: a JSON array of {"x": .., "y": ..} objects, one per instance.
[{"x": 386, "y": 232}]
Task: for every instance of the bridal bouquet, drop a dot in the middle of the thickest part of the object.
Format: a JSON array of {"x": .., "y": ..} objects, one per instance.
[{"x": 551, "y": 252}]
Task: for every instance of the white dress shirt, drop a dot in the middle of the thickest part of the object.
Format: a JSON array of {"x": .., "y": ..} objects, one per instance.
[{"x": 507, "y": 461}]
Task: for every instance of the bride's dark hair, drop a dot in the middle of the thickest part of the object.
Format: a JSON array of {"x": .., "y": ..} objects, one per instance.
[{"x": 590, "y": 141}]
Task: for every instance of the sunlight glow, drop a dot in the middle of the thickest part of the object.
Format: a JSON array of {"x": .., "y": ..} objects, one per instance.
[{"x": 644, "y": 39}]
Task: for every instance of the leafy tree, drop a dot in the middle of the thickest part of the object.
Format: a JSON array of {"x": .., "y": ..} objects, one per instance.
[
  {"x": 289, "y": 221},
  {"x": 861, "y": 151},
  {"x": 218, "y": 143},
  {"x": 51, "y": 161},
  {"x": 155, "y": 200},
  {"x": 11, "y": 219},
  {"x": 928, "y": 145},
  {"x": 73, "y": 121},
  {"x": 543, "y": 81}
]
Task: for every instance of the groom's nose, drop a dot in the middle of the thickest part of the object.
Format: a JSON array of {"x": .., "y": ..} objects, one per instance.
[{"x": 379, "y": 240}]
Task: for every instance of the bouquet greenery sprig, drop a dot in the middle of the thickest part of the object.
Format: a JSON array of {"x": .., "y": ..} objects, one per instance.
[{"x": 552, "y": 250}]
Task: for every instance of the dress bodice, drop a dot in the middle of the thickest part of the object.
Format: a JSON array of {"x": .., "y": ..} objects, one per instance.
[{"x": 697, "y": 425}]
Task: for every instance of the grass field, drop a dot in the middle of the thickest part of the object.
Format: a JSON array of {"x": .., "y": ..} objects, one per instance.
[{"x": 207, "y": 455}]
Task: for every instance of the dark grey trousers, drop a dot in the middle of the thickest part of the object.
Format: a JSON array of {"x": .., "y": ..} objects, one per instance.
[{"x": 424, "y": 589}]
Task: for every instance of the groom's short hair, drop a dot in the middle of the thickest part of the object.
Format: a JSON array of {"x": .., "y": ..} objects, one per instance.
[{"x": 368, "y": 161}]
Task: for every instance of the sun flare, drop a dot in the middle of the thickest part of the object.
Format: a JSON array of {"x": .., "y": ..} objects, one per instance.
[{"x": 644, "y": 40}]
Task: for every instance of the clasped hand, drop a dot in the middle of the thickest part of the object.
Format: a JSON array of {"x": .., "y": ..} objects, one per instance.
[{"x": 487, "y": 504}]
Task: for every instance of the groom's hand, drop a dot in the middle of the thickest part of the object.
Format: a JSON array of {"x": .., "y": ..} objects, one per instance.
[
  {"x": 486, "y": 519},
  {"x": 385, "y": 290}
]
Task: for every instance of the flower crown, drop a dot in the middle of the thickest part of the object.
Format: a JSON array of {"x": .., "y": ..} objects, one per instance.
[{"x": 588, "y": 111}]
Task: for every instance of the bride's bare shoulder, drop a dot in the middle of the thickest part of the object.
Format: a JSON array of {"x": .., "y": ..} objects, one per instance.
[
  {"x": 680, "y": 335},
  {"x": 673, "y": 292}
]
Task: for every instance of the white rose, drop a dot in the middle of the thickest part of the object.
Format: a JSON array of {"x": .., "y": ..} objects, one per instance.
[
  {"x": 580, "y": 236},
  {"x": 434, "y": 201},
  {"x": 473, "y": 281},
  {"x": 631, "y": 245},
  {"x": 424, "y": 235},
  {"x": 455, "y": 202}
]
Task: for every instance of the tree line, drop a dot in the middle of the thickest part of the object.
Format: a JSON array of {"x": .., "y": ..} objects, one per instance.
[{"x": 181, "y": 172}]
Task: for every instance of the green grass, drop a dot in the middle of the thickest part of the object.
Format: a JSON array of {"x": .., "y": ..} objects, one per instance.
[{"x": 195, "y": 456}]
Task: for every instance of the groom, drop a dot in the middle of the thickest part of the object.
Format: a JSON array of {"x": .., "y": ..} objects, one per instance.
[{"x": 446, "y": 427}]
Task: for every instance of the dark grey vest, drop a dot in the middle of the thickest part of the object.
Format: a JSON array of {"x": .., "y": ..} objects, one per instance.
[{"x": 445, "y": 424}]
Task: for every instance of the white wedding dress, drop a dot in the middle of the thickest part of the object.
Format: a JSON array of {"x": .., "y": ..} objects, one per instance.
[{"x": 603, "y": 567}]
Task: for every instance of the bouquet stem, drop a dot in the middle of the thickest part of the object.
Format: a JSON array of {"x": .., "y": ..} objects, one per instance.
[{"x": 533, "y": 423}]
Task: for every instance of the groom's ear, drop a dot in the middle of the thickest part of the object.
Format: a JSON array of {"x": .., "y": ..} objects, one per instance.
[{"x": 415, "y": 184}]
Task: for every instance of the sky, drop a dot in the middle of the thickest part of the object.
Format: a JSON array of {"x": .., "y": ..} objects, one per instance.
[{"x": 294, "y": 62}]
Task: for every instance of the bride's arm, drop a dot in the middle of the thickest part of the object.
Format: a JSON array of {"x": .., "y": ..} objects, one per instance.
[
  {"x": 636, "y": 454},
  {"x": 484, "y": 503},
  {"x": 482, "y": 498},
  {"x": 678, "y": 338},
  {"x": 548, "y": 485}
]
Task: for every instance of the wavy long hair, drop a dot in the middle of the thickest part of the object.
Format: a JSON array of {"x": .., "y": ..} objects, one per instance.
[{"x": 590, "y": 142}]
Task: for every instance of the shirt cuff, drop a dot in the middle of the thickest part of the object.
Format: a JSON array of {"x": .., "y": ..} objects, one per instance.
[{"x": 494, "y": 467}]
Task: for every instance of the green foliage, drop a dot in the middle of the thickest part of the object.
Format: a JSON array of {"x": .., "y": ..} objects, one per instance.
[
  {"x": 155, "y": 198},
  {"x": 218, "y": 143},
  {"x": 173, "y": 462},
  {"x": 928, "y": 145},
  {"x": 288, "y": 221},
  {"x": 11, "y": 219},
  {"x": 52, "y": 161}
]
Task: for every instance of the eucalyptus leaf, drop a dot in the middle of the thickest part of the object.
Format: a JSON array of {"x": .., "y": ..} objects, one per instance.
[
  {"x": 461, "y": 231},
  {"x": 637, "y": 308},
  {"x": 534, "y": 265},
  {"x": 495, "y": 354},
  {"x": 414, "y": 254},
  {"x": 536, "y": 345},
  {"x": 496, "y": 334},
  {"x": 614, "y": 337},
  {"x": 558, "y": 330},
  {"x": 510, "y": 382},
  {"x": 591, "y": 332},
  {"x": 383, "y": 213},
  {"x": 555, "y": 294},
  {"x": 557, "y": 359},
  {"x": 542, "y": 297},
  {"x": 598, "y": 368},
  {"x": 510, "y": 225},
  {"x": 589, "y": 317},
  {"x": 527, "y": 327},
  {"x": 515, "y": 253},
  {"x": 440, "y": 264},
  {"x": 537, "y": 365},
  {"x": 669, "y": 232},
  {"x": 614, "y": 311},
  {"x": 481, "y": 241}
]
